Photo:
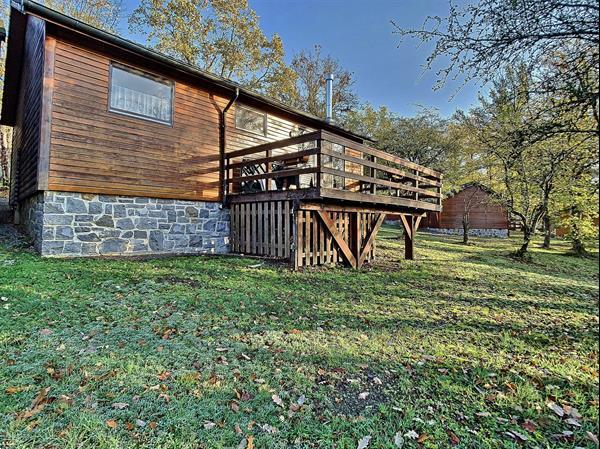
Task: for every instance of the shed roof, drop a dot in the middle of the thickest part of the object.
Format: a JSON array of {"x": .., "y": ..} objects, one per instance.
[{"x": 19, "y": 11}]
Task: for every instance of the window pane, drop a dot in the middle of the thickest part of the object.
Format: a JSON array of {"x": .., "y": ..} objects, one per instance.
[
  {"x": 250, "y": 120},
  {"x": 140, "y": 95}
]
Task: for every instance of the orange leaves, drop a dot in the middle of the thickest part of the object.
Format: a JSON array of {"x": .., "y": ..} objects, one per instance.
[
  {"x": 164, "y": 375},
  {"x": 17, "y": 389},
  {"x": 37, "y": 405},
  {"x": 112, "y": 423}
]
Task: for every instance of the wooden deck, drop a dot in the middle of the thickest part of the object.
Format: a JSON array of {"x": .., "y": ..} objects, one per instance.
[
  {"x": 323, "y": 166},
  {"x": 320, "y": 199}
]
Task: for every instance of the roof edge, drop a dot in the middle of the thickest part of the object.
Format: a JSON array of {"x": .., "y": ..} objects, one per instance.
[{"x": 48, "y": 14}]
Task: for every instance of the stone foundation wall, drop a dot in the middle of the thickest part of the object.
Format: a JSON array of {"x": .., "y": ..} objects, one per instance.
[
  {"x": 30, "y": 214},
  {"x": 498, "y": 233},
  {"x": 75, "y": 224}
]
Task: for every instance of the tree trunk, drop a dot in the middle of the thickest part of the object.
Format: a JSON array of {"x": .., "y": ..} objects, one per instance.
[
  {"x": 465, "y": 223},
  {"x": 547, "y": 232},
  {"x": 522, "y": 252},
  {"x": 577, "y": 244}
]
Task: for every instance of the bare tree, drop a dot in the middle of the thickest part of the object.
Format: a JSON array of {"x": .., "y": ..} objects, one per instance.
[
  {"x": 312, "y": 68},
  {"x": 558, "y": 39}
]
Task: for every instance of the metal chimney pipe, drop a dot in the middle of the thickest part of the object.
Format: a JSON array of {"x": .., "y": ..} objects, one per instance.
[{"x": 329, "y": 98}]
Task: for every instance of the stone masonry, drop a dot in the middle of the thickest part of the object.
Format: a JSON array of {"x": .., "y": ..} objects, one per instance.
[
  {"x": 499, "y": 233},
  {"x": 78, "y": 224}
]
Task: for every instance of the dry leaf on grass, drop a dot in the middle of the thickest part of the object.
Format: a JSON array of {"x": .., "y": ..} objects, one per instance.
[
  {"x": 277, "y": 400},
  {"x": 454, "y": 440},
  {"x": 37, "y": 405},
  {"x": 120, "y": 405},
  {"x": 556, "y": 408},
  {"x": 364, "y": 442},
  {"x": 112, "y": 423},
  {"x": 399, "y": 440}
]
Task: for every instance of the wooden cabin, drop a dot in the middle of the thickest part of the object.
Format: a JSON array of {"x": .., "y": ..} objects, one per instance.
[
  {"x": 119, "y": 150},
  {"x": 487, "y": 218}
]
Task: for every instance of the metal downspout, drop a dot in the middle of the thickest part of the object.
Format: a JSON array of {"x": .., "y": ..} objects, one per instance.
[{"x": 223, "y": 143}]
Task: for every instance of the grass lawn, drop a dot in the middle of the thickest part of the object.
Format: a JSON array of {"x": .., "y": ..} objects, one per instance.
[{"x": 463, "y": 347}]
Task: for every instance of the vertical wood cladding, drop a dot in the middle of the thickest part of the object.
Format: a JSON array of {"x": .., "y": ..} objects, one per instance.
[
  {"x": 94, "y": 150},
  {"x": 26, "y": 134}
]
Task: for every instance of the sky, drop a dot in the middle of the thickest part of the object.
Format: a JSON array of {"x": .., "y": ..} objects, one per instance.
[{"x": 359, "y": 34}]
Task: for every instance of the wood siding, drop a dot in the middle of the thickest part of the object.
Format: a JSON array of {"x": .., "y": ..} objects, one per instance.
[
  {"x": 483, "y": 212},
  {"x": 26, "y": 134},
  {"x": 94, "y": 150}
]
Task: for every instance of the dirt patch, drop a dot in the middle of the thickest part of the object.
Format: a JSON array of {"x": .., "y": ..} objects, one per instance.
[
  {"x": 173, "y": 280},
  {"x": 356, "y": 394}
]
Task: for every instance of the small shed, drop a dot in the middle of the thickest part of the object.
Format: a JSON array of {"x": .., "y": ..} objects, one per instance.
[{"x": 487, "y": 218}]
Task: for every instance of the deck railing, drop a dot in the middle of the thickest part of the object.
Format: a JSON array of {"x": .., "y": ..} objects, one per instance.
[{"x": 333, "y": 166}]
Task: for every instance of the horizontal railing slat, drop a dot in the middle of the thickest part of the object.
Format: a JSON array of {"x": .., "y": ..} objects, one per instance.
[
  {"x": 275, "y": 174},
  {"x": 279, "y": 157},
  {"x": 380, "y": 167},
  {"x": 275, "y": 145},
  {"x": 378, "y": 153},
  {"x": 383, "y": 182}
]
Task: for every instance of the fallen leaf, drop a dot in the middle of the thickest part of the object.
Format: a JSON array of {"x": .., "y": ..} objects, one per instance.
[
  {"x": 295, "y": 331},
  {"x": 140, "y": 423},
  {"x": 37, "y": 405},
  {"x": 164, "y": 375},
  {"x": 573, "y": 422},
  {"x": 209, "y": 425},
  {"x": 556, "y": 408},
  {"x": 454, "y": 440},
  {"x": 364, "y": 442},
  {"x": 529, "y": 426},
  {"x": 268, "y": 428},
  {"x": 301, "y": 400},
  {"x": 129, "y": 426},
  {"x": 46, "y": 332},
  {"x": 364, "y": 395},
  {"x": 572, "y": 412},
  {"x": 120, "y": 405},
  {"x": 17, "y": 389},
  {"x": 234, "y": 406},
  {"x": 112, "y": 423},
  {"x": 422, "y": 438},
  {"x": 593, "y": 438},
  {"x": 399, "y": 440},
  {"x": 377, "y": 381},
  {"x": 277, "y": 400},
  {"x": 411, "y": 434},
  {"x": 153, "y": 424}
]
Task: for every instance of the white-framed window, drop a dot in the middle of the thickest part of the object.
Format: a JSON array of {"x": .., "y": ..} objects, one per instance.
[
  {"x": 251, "y": 120},
  {"x": 140, "y": 94}
]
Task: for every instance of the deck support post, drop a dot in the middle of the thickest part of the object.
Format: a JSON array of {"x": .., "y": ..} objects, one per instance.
[
  {"x": 411, "y": 225},
  {"x": 408, "y": 221},
  {"x": 355, "y": 243}
]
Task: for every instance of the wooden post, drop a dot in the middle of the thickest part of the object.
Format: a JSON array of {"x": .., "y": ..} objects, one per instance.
[
  {"x": 268, "y": 182},
  {"x": 408, "y": 221},
  {"x": 355, "y": 240}
]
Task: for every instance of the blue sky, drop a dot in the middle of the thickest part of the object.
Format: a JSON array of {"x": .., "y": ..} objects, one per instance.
[{"x": 359, "y": 34}]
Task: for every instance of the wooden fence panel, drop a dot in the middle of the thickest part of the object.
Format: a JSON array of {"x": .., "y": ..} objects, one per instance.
[{"x": 305, "y": 236}]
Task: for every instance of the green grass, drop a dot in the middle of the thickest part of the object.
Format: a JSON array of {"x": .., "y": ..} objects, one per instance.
[{"x": 463, "y": 341}]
